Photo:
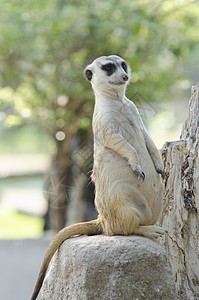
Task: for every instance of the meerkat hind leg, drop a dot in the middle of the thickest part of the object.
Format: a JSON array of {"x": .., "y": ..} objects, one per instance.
[{"x": 151, "y": 231}]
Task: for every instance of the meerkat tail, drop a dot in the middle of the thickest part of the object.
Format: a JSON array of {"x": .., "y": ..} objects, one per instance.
[{"x": 89, "y": 228}]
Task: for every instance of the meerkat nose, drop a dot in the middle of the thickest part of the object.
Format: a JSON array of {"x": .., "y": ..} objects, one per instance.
[{"x": 125, "y": 77}]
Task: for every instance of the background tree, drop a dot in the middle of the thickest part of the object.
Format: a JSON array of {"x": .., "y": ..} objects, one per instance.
[{"x": 45, "y": 46}]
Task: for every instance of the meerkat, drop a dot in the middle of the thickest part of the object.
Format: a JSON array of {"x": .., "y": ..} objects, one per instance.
[{"x": 127, "y": 164}]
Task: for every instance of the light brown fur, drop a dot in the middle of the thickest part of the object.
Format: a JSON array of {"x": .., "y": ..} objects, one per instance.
[{"x": 128, "y": 188}]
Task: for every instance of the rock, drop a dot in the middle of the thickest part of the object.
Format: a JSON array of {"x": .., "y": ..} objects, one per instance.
[
  {"x": 181, "y": 204},
  {"x": 109, "y": 268}
]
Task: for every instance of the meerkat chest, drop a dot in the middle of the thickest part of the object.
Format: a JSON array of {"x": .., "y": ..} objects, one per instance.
[
  {"x": 109, "y": 119},
  {"x": 129, "y": 125}
]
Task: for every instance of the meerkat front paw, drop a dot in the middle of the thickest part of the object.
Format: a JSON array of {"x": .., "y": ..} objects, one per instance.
[
  {"x": 137, "y": 170},
  {"x": 160, "y": 169},
  {"x": 139, "y": 173}
]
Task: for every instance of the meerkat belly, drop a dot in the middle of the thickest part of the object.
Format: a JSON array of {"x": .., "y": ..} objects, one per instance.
[
  {"x": 110, "y": 169},
  {"x": 117, "y": 187}
]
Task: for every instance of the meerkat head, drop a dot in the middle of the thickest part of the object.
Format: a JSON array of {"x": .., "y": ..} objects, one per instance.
[{"x": 108, "y": 73}]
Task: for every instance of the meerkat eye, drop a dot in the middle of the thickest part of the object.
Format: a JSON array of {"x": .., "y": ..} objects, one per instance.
[
  {"x": 109, "y": 68},
  {"x": 124, "y": 66}
]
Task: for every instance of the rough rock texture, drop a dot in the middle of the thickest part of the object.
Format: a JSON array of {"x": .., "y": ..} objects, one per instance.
[
  {"x": 181, "y": 204},
  {"x": 109, "y": 268}
]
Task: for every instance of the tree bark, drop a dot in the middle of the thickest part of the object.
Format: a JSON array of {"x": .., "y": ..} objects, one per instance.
[{"x": 181, "y": 203}]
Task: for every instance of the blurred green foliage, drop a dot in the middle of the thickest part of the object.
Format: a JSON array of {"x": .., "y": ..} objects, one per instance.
[
  {"x": 17, "y": 225},
  {"x": 27, "y": 139},
  {"x": 45, "y": 46}
]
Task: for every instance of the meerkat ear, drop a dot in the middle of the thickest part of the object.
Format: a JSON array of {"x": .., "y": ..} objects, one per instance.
[{"x": 88, "y": 74}]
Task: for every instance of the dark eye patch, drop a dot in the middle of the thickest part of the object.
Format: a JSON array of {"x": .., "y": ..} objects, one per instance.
[
  {"x": 124, "y": 66},
  {"x": 109, "y": 68}
]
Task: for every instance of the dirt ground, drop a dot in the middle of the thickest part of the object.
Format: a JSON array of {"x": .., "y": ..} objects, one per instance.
[{"x": 20, "y": 261}]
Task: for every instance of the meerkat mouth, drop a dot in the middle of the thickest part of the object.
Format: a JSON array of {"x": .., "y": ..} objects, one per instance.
[{"x": 116, "y": 83}]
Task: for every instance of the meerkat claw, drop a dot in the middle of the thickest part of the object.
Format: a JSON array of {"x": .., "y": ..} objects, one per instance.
[
  {"x": 161, "y": 172},
  {"x": 140, "y": 174}
]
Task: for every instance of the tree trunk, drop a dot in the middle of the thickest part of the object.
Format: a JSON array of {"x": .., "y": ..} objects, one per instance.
[
  {"x": 58, "y": 186},
  {"x": 67, "y": 184},
  {"x": 81, "y": 206},
  {"x": 181, "y": 203}
]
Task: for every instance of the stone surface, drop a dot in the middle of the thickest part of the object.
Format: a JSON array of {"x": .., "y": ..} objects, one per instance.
[
  {"x": 109, "y": 268},
  {"x": 181, "y": 204}
]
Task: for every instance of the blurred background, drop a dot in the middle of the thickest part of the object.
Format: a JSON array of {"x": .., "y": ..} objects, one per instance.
[{"x": 46, "y": 108}]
